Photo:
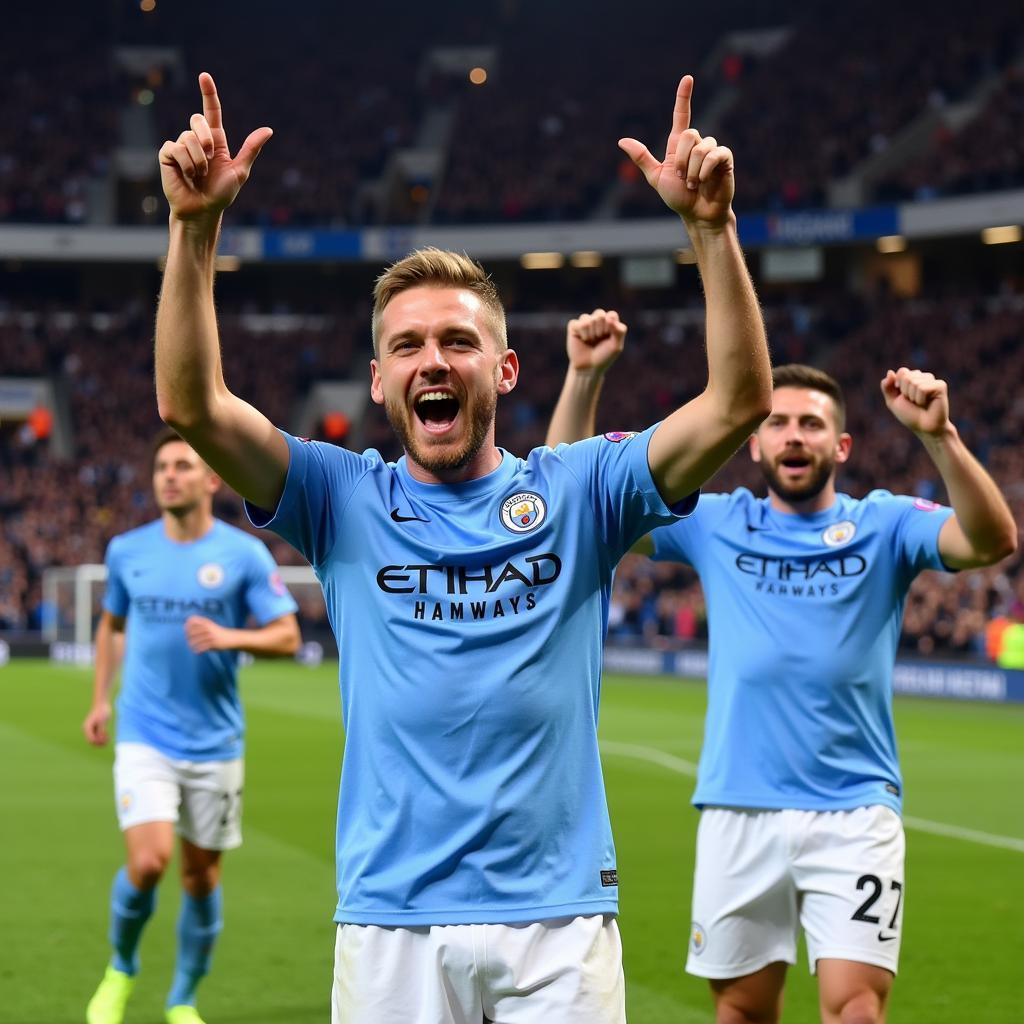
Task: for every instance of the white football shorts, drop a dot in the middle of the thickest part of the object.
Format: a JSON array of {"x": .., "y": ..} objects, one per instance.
[
  {"x": 762, "y": 875},
  {"x": 566, "y": 970},
  {"x": 202, "y": 798}
]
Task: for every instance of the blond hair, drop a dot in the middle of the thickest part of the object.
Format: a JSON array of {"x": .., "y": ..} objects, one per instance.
[{"x": 439, "y": 268}]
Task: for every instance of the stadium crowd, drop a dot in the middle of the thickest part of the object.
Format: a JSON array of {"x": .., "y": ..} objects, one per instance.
[
  {"x": 63, "y": 512},
  {"x": 842, "y": 86},
  {"x": 953, "y": 166},
  {"x": 524, "y": 146},
  {"x": 59, "y": 130}
]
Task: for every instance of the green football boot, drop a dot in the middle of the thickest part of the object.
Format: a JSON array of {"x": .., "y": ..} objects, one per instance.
[
  {"x": 108, "y": 1002},
  {"x": 183, "y": 1014}
]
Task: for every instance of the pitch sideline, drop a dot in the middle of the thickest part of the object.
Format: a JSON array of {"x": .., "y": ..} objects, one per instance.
[{"x": 935, "y": 828}]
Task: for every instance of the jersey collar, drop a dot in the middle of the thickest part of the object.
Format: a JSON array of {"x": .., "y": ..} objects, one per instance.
[{"x": 498, "y": 478}]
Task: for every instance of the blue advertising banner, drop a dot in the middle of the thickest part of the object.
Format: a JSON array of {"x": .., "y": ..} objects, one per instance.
[
  {"x": 792, "y": 228},
  {"x": 319, "y": 244},
  {"x": 817, "y": 227}
]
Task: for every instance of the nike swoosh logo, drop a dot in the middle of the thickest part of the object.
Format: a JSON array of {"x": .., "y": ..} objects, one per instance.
[
  {"x": 885, "y": 938},
  {"x": 758, "y": 529},
  {"x": 406, "y": 519}
]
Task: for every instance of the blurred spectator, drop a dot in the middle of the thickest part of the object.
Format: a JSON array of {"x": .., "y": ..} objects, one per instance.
[
  {"x": 536, "y": 142},
  {"x": 335, "y": 427},
  {"x": 954, "y": 164}
]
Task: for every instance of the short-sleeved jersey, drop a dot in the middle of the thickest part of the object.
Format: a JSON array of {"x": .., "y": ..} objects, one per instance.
[
  {"x": 804, "y": 617},
  {"x": 185, "y": 704},
  {"x": 469, "y": 620}
]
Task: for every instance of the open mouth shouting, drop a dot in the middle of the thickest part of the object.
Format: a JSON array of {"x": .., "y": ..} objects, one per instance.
[
  {"x": 798, "y": 475},
  {"x": 795, "y": 464},
  {"x": 437, "y": 409},
  {"x": 443, "y": 426}
]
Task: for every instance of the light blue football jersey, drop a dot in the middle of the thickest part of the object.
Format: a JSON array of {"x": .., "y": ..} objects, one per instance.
[
  {"x": 470, "y": 619},
  {"x": 804, "y": 616},
  {"x": 184, "y": 704}
]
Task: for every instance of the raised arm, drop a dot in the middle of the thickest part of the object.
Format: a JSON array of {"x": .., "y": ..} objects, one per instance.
[
  {"x": 981, "y": 530},
  {"x": 695, "y": 180},
  {"x": 593, "y": 342},
  {"x": 200, "y": 180}
]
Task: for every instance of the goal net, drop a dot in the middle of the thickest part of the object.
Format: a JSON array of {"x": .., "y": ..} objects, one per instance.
[{"x": 73, "y": 596}]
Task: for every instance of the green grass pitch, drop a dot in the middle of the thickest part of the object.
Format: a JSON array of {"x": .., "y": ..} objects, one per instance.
[{"x": 963, "y": 941}]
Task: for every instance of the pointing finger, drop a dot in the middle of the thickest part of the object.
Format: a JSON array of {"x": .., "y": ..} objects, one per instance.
[
  {"x": 681, "y": 111},
  {"x": 211, "y": 101}
]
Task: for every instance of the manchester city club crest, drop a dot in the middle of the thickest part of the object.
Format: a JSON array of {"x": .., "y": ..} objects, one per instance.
[
  {"x": 523, "y": 512},
  {"x": 698, "y": 938},
  {"x": 210, "y": 575},
  {"x": 839, "y": 533}
]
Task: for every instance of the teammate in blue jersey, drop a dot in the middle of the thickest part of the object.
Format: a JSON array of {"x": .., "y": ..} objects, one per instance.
[
  {"x": 468, "y": 590},
  {"x": 799, "y": 781},
  {"x": 179, "y": 593}
]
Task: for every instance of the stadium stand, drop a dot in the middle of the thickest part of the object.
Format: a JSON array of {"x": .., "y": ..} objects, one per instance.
[
  {"x": 806, "y": 96},
  {"x": 954, "y": 164},
  {"x": 59, "y": 130}
]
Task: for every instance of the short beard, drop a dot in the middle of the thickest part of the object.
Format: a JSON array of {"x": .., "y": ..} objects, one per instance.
[
  {"x": 805, "y": 492},
  {"x": 443, "y": 459},
  {"x": 180, "y": 511}
]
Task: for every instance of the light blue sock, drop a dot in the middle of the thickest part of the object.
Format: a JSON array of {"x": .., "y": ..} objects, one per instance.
[
  {"x": 199, "y": 924},
  {"x": 130, "y": 909}
]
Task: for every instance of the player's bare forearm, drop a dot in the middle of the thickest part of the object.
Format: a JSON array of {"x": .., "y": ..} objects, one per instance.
[
  {"x": 696, "y": 440},
  {"x": 278, "y": 639},
  {"x": 575, "y": 413},
  {"x": 107, "y": 655},
  {"x": 593, "y": 342},
  {"x": 189, "y": 379},
  {"x": 108, "y": 646},
  {"x": 236, "y": 440},
  {"x": 982, "y": 530},
  {"x": 739, "y": 368}
]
